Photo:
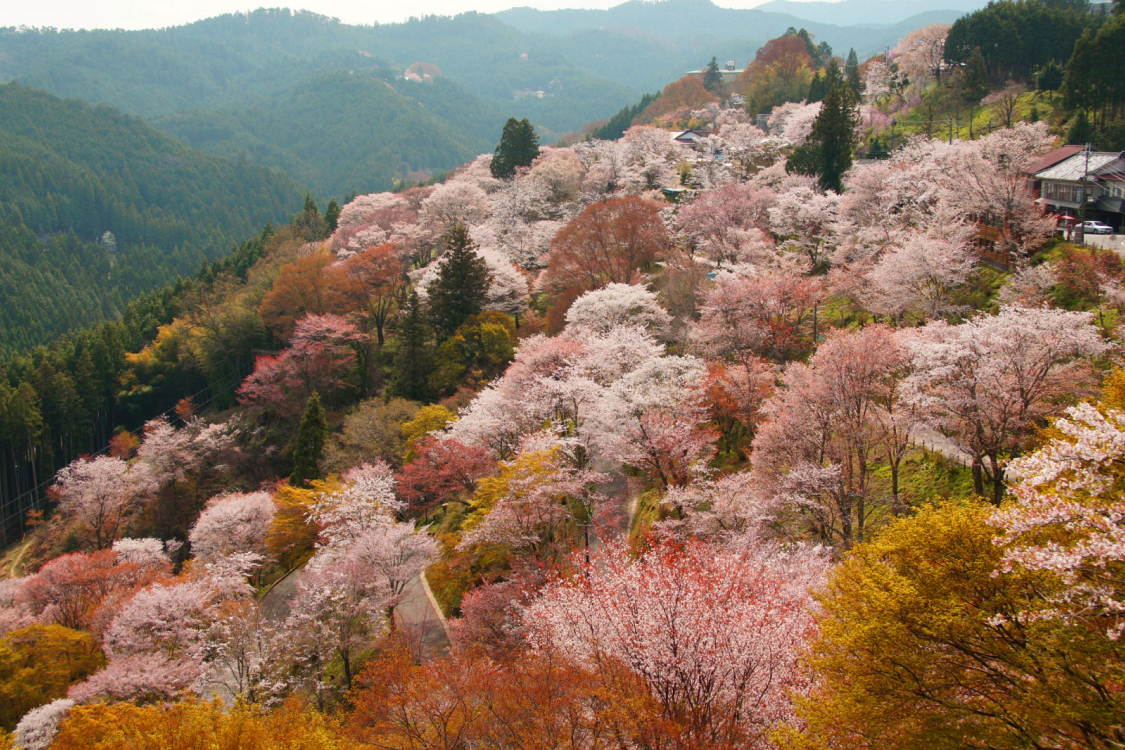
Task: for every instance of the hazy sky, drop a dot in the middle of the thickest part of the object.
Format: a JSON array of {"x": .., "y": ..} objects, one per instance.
[{"x": 144, "y": 14}]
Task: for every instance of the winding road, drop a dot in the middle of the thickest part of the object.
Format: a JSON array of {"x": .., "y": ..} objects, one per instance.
[{"x": 417, "y": 616}]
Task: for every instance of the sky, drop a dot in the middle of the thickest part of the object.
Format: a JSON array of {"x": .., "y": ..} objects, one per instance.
[{"x": 146, "y": 14}]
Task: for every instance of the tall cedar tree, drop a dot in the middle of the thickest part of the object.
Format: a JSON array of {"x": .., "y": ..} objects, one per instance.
[
  {"x": 851, "y": 71},
  {"x": 818, "y": 87},
  {"x": 311, "y": 437},
  {"x": 974, "y": 86},
  {"x": 712, "y": 78},
  {"x": 461, "y": 288},
  {"x": 332, "y": 215},
  {"x": 414, "y": 362},
  {"x": 309, "y": 223},
  {"x": 834, "y": 131},
  {"x": 519, "y": 147},
  {"x": 827, "y": 153}
]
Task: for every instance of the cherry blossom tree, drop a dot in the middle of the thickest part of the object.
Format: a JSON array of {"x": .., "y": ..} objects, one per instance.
[
  {"x": 617, "y": 305},
  {"x": 921, "y": 276},
  {"x": 746, "y": 149},
  {"x": 804, "y": 218},
  {"x": 534, "y": 496},
  {"x": 672, "y": 447},
  {"x": 731, "y": 512},
  {"x": 764, "y": 315},
  {"x": 1029, "y": 286},
  {"x": 991, "y": 381},
  {"x": 714, "y": 635},
  {"x": 100, "y": 492},
  {"x": 793, "y": 121},
  {"x": 232, "y": 523},
  {"x": 241, "y": 652},
  {"x": 147, "y": 553},
  {"x": 39, "y": 726},
  {"x": 366, "y": 500},
  {"x": 825, "y": 430},
  {"x": 72, "y": 590},
  {"x": 1068, "y": 521},
  {"x": 443, "y": 471},
  {"x": 319, "y": 358},
  {"x": 920, "y": 55},
  {"x": 394, "y": 554},
  {"x": 726, "y": 223},
  {"x": 334, "y": 613},
  {"x": 454, "y": 202}
]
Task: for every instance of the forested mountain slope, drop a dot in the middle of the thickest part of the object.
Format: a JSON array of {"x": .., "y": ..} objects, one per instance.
[
  {"x": 70, "y": 173},
  {"x": 379, "y": 130}
]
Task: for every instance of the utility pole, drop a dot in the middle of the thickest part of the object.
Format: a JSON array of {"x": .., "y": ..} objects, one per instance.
[{"x": 1080, "y": 235}]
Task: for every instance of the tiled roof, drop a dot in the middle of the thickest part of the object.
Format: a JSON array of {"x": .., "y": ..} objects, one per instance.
[
  {"x": 1073, "y": 168},
  {"x": 1052, "y": 158}
]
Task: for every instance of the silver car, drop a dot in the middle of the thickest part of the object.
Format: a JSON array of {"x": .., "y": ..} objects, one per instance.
[{"x": 1096, "y": 227}]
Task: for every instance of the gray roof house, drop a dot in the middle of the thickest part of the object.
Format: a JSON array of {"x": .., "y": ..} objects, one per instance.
[{"x": 1061, "y": 185}]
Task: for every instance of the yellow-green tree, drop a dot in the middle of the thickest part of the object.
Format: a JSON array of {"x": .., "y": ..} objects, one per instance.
[
  {"x": 921, "y": 646},
  {"x": 37, "y": 665},
  {"x": 425, "y": 420}
]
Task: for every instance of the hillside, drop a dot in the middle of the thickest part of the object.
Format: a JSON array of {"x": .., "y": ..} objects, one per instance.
[
  {"x": 379, "y": 130},
  {"x": 71, "y": 172}
]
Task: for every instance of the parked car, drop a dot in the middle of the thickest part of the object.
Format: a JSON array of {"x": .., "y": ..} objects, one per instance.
[{"x": 1096, "y": 227}]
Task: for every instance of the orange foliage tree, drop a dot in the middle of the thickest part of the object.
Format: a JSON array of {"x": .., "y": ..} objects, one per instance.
[
  {"x": 609, "y": 242},
  {"x": 781, "y": 72},
  {"x": 310, "y": 284},
  {"x": 686, "y": 92},
  {"x": 190, "y": 725}
]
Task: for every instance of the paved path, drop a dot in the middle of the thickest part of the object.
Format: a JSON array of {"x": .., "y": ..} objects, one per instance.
[
  {"x": 932, "y": 440},
  {"x": 417, "y": 616}
]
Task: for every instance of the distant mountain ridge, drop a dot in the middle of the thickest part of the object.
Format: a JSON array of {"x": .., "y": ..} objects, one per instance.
[
  {"x": 871, "y": 12},
  {"x": 647, "y": 44}
]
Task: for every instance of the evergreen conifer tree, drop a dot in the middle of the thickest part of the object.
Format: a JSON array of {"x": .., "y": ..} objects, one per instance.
[
  {"x": 1080, "y": 131},
  {"x": 309, "y": 223},
  {"x": 312, "y": 434},
  {"x": 851, "y": 72},
  {"x": 834, "y": 131},
  {"x": 519, "y": 147},
  {"x": 712, "y": 78},
  {"x": 332, "y": 215},
  {"x": 974, "y": 85},
  {"x": 461, "y": 287},
  {"x": 816, "y": 89},
  {"x": 414, "y": 360}
]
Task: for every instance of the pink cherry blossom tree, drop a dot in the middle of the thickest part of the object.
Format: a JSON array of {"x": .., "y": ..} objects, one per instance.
[
  {"x": 920, "y": 276},
  {"x": 543, "y": 491},
  {"x": 990, "y": 382},
  {"x": 320, "y": 356},
  {"x": 100, "y": 492},
  {"x": 1068, "y": 521},
  {"x": 39, "y": 726},
  {"x": 715, "y": 635},
  {"x": 834, "y": 418},
  {"x": 766, "y": 315},
  {"x": 232, "y": 523}
]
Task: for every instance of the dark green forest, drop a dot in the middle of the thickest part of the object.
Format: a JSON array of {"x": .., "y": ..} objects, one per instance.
[{"x": 96, "y": 207}]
